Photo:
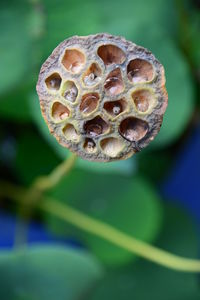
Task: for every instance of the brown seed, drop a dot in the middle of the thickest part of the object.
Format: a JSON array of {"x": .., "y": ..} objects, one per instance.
[
  {"x": 114, "y": 83},
  {"x": 89, "y": 145},
  {"x": 89, "y": 103}
]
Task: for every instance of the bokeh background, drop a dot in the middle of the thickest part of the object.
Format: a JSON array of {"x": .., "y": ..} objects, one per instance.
[{"x": 153, "y": 196}]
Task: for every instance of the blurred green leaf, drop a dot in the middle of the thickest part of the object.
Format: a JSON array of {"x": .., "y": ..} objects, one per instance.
[
  {"x": 154, "y": 164},
  {"x": 21, "y": 26},
  {"x": 189, "y": 37},
  {"x": 194, "y": 40},
  {"x": 125, "y": 167},
  {"x": 16, "y": 42},
  {"x": 145, "y": 280},
  {"x": 130, "y": 205},
  {"x": 127, "y": 210},
  {"x": 134, "y": 16},
  {"x": 15, "y": 105},
  {"x": 68, "y": 18},
  {"x": 189, "y": 28},
  {"x": 45, "y": 273},
  {"x": 34, "y": 157}
]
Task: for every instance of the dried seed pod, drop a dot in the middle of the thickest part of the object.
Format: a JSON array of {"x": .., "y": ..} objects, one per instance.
[{"x": 102, "y": 97}]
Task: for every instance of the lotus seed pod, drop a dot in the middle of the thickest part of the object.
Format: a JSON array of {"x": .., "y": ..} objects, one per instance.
[{"x": 102, "y": 97}]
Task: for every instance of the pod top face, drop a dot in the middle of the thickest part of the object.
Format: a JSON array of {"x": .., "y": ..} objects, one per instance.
[{"x": 102, "y": 97}]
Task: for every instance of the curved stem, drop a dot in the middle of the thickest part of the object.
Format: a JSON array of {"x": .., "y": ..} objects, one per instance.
[
  {"x": 106, "y": 232},
  {"x": 34, "y": 193},
  {"x": 44, "y": 183},
  {"x": 119, "y": 238}
]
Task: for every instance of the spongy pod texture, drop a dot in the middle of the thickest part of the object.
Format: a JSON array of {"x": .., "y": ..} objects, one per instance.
[{"x": 102, "y": 97}]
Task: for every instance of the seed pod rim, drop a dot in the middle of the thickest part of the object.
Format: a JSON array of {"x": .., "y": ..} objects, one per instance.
[{"x": 156, "y": 115}]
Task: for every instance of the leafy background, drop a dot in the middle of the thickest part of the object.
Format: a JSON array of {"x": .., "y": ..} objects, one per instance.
[{"x": 153, "y": 196}]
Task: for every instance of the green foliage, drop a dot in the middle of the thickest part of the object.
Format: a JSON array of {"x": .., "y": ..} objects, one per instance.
[
  {"x": 144, "y": 280},
  {"x": 154, "y": 164},
  {"x": 15, "y": 42},
  {"x": 189, "y": 18},
  {"x": 15, "y": 105},
  {"x": 19, "y": 33},
  {"x": 42, "y": 163},
  {"x": 118, "y": 200},
  {"x": 47, "y": 273},
  {"x": 119, "y": 193},
  {"x": 140, "y": 203},
  {"x": 67, "y": 18}
]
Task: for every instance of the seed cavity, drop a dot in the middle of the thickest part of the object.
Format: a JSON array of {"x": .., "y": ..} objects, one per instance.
[
  {"x": 111, "y": 54},
  {"x": 59, "y": 112},
  {"x": 96, "y": 127},
  {"x": 73, "y": 60},
  {"x": 92, "y": 75},
  {"x": 133, "y": 129},
  {"x": 140, "y": 70},
  {"x": 114, "y": 83},
  {"x": 53, "y": 82},
  {"x": 70, "y": 91},
  {"x": 114, "y": 108},
  {"x": 89, "y": 103},
  {"x": 89, "y": 145},
  {"x": 143, "y": 99},
  {"x": 112, "y": 146},
  {"x": 71, "y": 133}
]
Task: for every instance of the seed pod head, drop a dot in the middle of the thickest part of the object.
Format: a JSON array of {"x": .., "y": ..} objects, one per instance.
[{"x": 102, "y": 97}]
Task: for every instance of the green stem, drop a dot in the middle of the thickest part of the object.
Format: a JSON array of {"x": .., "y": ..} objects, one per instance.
[
  {"x": 107, "y": 232},
  {"x": 44, "y": 183},
  {"x": 33, "y": 195}
]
